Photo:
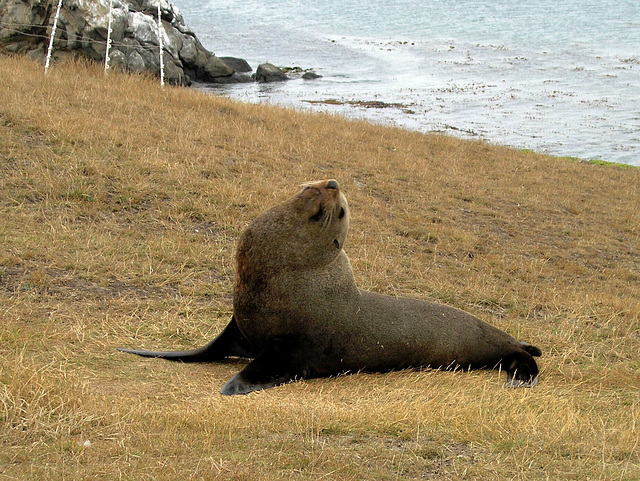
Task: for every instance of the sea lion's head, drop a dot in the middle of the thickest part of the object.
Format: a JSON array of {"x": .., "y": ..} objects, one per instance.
[
  {"x": 306, "y": 231},
  {"x": 318, "y": 229},
  {"x": 324, "y": 211}
]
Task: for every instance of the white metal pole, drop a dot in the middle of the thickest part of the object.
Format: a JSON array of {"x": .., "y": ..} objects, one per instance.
[
  {"x": 160, "y": 43},
  {"x": 53, "y": 34},
  {"x": 106, "y": 55}
]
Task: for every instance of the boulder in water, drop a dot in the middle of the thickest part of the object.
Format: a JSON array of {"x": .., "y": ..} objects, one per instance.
[{"x": 268, "y": 72}]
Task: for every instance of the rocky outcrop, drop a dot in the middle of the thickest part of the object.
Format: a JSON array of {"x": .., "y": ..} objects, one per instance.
[
  {"x": 82, "y": 30},
  {"x": 25, "y": 27}
]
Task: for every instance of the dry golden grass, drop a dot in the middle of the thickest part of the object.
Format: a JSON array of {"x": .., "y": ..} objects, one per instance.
[{"x": 120, "y": 205}]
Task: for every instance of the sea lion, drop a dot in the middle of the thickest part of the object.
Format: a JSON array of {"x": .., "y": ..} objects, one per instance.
[{"x": 298, "y": 313}]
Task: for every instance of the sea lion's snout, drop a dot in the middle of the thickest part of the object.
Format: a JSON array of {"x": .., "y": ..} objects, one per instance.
[{"x": 321, "y": 185}]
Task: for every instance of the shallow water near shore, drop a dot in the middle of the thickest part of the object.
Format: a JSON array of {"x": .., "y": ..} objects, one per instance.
[{"x": 554, "y": 77}]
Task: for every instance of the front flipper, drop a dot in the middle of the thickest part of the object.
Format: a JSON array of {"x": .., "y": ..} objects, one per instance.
[
  {"x": 278, "y": 363},
  {"x": 230, "y": 342}
]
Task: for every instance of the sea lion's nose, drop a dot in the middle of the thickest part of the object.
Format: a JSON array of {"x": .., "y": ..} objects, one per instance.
[{"x": 332, "y": 184}]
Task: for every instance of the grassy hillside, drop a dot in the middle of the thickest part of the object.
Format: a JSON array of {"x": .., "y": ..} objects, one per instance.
[{"x": 120, "y": 206}]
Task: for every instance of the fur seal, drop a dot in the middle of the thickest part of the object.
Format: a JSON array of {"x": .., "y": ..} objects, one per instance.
[{"x": 297, "y": 312}]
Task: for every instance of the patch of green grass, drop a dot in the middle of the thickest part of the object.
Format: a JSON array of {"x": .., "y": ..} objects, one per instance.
[
  {"x": 592, "y": 161},
  {"x": 612, "y": 164}
]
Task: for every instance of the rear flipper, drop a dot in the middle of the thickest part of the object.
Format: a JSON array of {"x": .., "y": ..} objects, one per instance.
[
  {"x": 522, "y": 369},
  {"x": 278, "y": 363},
  {"x": 230, "y": 342}
]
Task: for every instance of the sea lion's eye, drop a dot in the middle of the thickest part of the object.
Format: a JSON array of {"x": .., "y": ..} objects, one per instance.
[
  {"x": 341, "y": 214},
  {"x": 316, "y": 217}
]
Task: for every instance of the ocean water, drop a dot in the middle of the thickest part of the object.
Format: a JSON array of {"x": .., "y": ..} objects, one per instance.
[{"x": 560, "y": 77}]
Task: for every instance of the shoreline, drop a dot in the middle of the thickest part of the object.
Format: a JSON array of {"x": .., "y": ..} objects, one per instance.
[
  {"x": 558, "y": 102},
  {"x": 340, "y": 107}
]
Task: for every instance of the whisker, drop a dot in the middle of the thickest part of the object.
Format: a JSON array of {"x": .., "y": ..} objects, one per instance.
[{"x": 328, "y": 217}]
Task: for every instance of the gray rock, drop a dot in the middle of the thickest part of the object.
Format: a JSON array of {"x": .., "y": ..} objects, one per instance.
[
  {"x": 135, "y": 62},
  {"x": 215, "y": 68},
  {"x": 172, "y": 40},
  {"x": 268, "y": 72},
  {"x": 73, "y": 38},
  {"x": 13, "y": 47},
  {"x": 21, "y": 13},
  {"x": 188, "y": 53},
  {"x": 174, "y": 74},
  {"x": 311, "y": 75},
  {"x": 117, "y": 59},
  {"x": 151, "y": 57},
  {"x": 236, "y": 78},
  {"x": 240, "y": 78},
  {"x": 238, "y": 65},
  {"x": 129, "y": 45},
  {"x": 202, "y": 58},
  {"x": 143, "y": 28},
  {"x": 37, "y": 53}
]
